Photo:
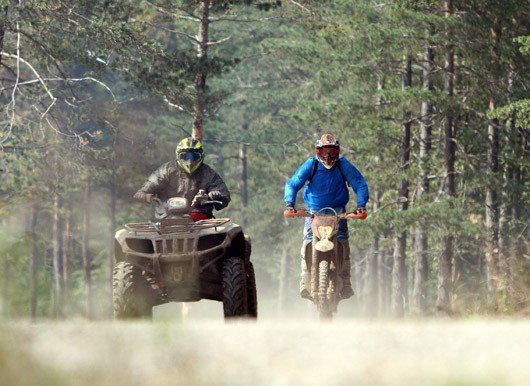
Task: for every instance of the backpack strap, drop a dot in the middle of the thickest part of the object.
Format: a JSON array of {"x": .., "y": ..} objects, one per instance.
[
  {"x": 315, "y": 166},
  {"x": 343, "y": 176}
]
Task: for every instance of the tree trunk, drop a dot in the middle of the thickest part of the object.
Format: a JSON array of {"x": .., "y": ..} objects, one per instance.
[
  {"x": 492, "y": 204},
  {"x": 282, "y": 285},
  {"x": 33, "y": 283},
  {"x": 519, "y": 214},
  {"x": 243, "y": 182},
  {"x": 2, "y": 31},
  {"x": 400, "y": 241},
  {"x": 443, "y": 300},
  {"x": 112, "y": 231},
  {"x": 371, "y": 297},
  {"x": 67, "y": 255},
  {"x": 200, "y": 78},
  {"x": 383, "y": 280},
  {"x": 57, "y": 256},
  {"x": 5, "y": 287},
  {"x": 85, "y": 252},
  {"x": 421, "y": 267},
  {"x": 284, "y": 274}
]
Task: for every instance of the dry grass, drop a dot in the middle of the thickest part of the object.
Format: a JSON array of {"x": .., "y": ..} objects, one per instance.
[{"x": 273, "y": 352}]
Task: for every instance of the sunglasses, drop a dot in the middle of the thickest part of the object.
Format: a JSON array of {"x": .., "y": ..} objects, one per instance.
[
  {"x": 326, "y": 152},
  {"x": 190, "y": 156}
]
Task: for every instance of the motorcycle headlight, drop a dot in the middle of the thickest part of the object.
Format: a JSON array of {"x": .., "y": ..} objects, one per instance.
[{"x": 325, "y": 232}]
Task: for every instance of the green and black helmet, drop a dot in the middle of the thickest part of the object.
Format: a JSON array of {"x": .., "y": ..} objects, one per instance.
[{"x": 190, "y": 154}]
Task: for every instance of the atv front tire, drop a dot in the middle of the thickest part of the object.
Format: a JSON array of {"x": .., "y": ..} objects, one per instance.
[
  {"x": 234, "y": 287},
  {"x": 251, "y": 292},
  {"x": 133, "y": 296}
]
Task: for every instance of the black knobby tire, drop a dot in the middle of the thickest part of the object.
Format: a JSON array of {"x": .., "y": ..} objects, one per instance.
[
  {"x": 323, "y": 284},
  {"x": 234, "y": 287},
  {"x": 252, "y": 295},
  {"x": 133, "y": 296}
]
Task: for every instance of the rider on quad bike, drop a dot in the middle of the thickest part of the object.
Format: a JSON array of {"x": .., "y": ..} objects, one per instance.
[
  {"x": 185, "y": 177},
  {"x": 328, "y": 177},
  {"x": 185, "y": 255}
]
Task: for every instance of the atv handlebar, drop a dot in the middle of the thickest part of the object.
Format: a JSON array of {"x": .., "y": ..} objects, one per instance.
[{"x": 302, "y": 213}]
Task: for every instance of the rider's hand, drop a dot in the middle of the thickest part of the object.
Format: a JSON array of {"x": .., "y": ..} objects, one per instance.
[
  {"x": 360, "y": 209},
  {"x": 199, "y": 198},
  {"x": 144, "y": 197},
  {"x": 215, "y": 195},
  {"x": 290, "y": 207}
]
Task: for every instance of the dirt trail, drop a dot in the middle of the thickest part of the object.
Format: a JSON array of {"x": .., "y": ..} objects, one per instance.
[{"x": 271, "y": 352}]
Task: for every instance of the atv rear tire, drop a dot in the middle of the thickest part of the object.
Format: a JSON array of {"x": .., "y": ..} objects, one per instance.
[
  {"x": 251, "y": 292},
  {"x": 234, "y": 287},
  {"x": 133, "y": 296}
]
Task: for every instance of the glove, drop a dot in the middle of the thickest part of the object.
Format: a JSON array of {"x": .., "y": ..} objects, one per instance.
[
  {"x": 290, "y": 207},
  {"x": 360, "y": 209},
  {"x": 215, "y": 195},
  {"x": 199, "y": 198},
  {"x": 144, "y": 197}
]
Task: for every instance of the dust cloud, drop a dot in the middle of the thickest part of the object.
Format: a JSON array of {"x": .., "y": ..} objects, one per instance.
[{"x": 197, "y": 349}]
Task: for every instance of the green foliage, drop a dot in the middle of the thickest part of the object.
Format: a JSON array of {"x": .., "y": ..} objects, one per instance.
[{"x": 276, "y": 80}]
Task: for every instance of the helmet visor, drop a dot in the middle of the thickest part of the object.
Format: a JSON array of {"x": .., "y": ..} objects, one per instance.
[
  {"x": 328, "y": 152},
  {"x": 190, "y": 155}
]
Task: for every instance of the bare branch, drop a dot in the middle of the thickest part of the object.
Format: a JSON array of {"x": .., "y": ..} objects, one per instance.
[
  {"x": 219, "y": 41},
  {"x": 178, "y": 107},
  {"x": 236, "y": 19},
  {"x": 301, "y": 6},
  {"x": 191, "y": 37},
  {"x": 41, "y": 81},
  {"x": 164, "y": 11}
]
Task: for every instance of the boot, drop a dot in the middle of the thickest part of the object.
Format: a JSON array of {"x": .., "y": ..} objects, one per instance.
[
  {"x": 347, "y": 290},
  {"x": 305, "y": 282}
]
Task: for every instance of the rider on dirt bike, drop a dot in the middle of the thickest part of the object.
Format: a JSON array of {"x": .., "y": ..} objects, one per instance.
[
  {"x": 328, "y": 178},
  {"x": 185, "y": 177}
]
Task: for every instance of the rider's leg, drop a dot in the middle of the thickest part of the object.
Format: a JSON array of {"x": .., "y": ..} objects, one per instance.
[
  {"x": 347, "y": 291},
  {"x": 305, "y": 282}
]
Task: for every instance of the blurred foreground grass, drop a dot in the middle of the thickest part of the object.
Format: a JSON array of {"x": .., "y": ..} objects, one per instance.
[{"x": 270, "y": 352}]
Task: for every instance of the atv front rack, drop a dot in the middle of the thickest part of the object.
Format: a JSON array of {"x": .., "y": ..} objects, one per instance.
[{"x": 175, "y": 226}]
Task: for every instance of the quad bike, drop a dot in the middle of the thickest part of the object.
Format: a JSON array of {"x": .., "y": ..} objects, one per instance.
[
  {"x": 177, "y": 259},
  {"x": 325, "y": 260}
]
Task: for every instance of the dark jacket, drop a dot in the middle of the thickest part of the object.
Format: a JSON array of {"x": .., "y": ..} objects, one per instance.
[{"x": 170, "y": 180}]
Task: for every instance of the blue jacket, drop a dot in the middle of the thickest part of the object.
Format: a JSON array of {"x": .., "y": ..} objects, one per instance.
[{"x": 327, "y": 188}]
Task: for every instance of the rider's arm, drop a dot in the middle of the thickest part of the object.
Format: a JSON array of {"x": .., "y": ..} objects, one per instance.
[
  {"x": 297, "y": 181},
  {"x": 217, "y": 185},
  {"x": 356, "y": 180},
  {"x": 156, "y": 182}
]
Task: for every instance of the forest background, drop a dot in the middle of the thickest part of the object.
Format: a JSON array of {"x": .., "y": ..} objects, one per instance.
[{"x": 429, "y": 100}]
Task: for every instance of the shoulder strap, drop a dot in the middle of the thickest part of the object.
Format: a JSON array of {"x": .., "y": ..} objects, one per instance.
[
  {"x": 342, "y": 174},
  {"x": 315, "y": 166}
]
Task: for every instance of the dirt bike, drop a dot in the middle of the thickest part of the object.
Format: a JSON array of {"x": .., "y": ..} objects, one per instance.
[
  {"x": 325, "y": 261},
  {"x": 177, "y": 259}
]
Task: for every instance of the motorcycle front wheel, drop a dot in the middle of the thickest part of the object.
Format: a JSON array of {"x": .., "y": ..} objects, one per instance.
[{"x": 324, "y": 307}]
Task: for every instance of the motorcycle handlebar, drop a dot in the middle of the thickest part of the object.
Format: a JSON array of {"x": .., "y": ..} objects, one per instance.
[{"x": 302, "y": 213}]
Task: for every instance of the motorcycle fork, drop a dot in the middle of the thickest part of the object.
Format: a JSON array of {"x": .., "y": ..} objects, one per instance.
[{"x": 316, "y": 258}]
